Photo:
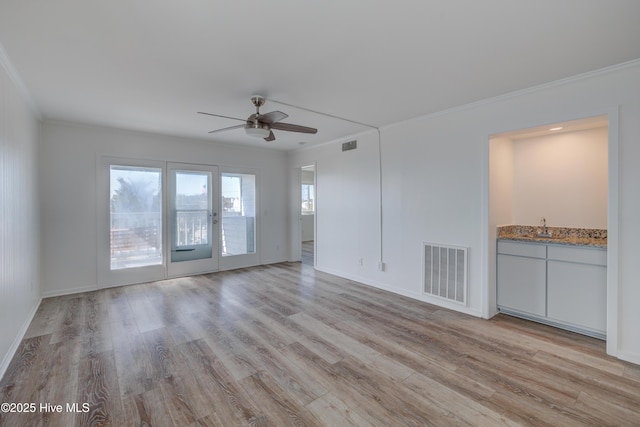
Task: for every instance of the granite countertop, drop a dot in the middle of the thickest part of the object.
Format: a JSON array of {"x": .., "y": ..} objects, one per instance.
[{"x": 593, "y": 237}]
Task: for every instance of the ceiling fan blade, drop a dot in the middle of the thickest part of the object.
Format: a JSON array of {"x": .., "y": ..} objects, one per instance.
[
  {"x": 272, "y": 117},
  {"x": 271, "y": 137},
  {"x": 229, "y": 128},
  {"x": 293, "y": 128},
  {"x": 220, "y": 115}
]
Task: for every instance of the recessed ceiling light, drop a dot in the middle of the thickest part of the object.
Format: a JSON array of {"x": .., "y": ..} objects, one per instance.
[{"x": 558, "y": 128}]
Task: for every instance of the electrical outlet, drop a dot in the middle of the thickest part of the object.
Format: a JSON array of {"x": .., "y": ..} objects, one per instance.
[
  {"x": 381, "y": 266},
  {"x": 360, "y": 261}
]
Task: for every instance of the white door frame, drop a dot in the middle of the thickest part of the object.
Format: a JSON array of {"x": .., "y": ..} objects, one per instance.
[{"x": 197, "y": 266}]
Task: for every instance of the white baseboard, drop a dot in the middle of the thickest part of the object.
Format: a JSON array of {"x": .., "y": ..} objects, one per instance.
[
  {"x": 404, "y": 292},
  {"x": 275, "y": 261},
  {"x": 63, "y": 292},
  {"x": 628, "y": 356},
  {"x": 71, "y": 291},
  {"x": 18, "y": 339}
]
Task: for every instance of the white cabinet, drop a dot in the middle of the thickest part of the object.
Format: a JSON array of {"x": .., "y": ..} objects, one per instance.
[
  {"x": 560, "y": 285},
  {"x": 577, "y": 287},
  {"x": 522, "y": 277}
]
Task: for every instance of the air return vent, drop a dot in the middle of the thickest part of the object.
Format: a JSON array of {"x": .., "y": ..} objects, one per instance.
[
  {"x": 445, "y": 272},
  {"x": 351, "y": 145}
]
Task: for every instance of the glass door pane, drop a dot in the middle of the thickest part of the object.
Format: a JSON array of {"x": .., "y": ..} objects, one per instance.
[
  {"x": 135, "y": 216},
  {"x": 238, "y": 214},
  {"x": 193, "y": 219}
]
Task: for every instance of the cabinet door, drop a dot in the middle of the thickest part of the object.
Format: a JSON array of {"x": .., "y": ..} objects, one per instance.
[
  {"x": 521, "y": 284},
  {"x": 578, "y": 294}
]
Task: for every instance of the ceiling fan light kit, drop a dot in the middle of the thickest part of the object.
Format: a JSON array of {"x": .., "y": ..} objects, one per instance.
[
  {"x": 260, "y": 125},
  {"x": 257, "y": 130}
]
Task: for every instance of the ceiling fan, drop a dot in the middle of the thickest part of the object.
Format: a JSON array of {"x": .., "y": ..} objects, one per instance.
[{"x": 261, "y": 125}]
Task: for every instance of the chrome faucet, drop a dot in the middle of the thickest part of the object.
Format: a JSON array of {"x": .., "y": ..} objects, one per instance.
[{"x": 545, "y": 231}]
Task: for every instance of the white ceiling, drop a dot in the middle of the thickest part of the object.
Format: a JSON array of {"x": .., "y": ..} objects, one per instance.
[
  {"x": 548, "y": 129},
  {"x": 150, "y": 65}
]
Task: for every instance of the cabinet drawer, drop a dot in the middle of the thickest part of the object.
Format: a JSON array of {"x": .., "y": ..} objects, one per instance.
[
  {"x": 532, "y": 250},
  {"x": 582, "y": 255}
]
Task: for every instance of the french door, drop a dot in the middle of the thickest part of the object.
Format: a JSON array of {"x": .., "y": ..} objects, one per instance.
[
  {"x": 192, "y": 219},
  {"x": 158, "y": 220}
]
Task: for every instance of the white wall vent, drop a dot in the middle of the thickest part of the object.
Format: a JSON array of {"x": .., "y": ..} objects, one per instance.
[{"x": 445, "y": 272}]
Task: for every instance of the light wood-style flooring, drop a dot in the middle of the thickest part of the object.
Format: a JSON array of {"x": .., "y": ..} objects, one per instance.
[
  {"x": 286, "y": 345},
  {"x": 308, "y": 252}
]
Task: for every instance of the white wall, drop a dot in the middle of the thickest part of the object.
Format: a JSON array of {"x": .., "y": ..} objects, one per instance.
[
  {"x": 563, "y": 178},
  {"x": 435, "y": 187},
  {"x": 347, "y": 207},
  {"x": 19, "y": 221},
  {"x": 69, "y": 156}
]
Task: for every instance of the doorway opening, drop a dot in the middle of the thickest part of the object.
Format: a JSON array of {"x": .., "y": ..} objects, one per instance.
[
  {"x": 307, "y": 213},
  {"x": 193, "y": 237}
]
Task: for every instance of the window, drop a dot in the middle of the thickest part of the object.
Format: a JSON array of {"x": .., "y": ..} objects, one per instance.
[
  {"x": 135, "y": 216},
  {"x": 308, "y": 199},
  {"x": 192, "y": 209},
  {"x": 238, "y": 213}
]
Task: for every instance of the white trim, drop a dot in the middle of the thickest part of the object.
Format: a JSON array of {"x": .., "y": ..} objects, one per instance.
[
  {"x": 105, "y": 276},
  {"x": 613, "y": 233},
  {"x": 15, "y": 345},
  {"x": 197, "y": 266},
  {"x": 230, "y": 262},
  {"x": 629, "y": 357},
  {"x": 613, "y": 214},
  {"x": 273, "y": 261},
  {"x": 72, "y": 291}
]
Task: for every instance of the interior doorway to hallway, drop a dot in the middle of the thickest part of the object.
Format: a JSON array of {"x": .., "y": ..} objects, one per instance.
[{"x": 307, "y": 213}]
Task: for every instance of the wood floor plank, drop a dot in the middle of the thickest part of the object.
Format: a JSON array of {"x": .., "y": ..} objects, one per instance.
[
  {"x": 300, "y": 385},
  {"x": 96, "y": 327},
  {"x": 353, "y": 347},
  {"x": 98, "y": 388},
  {"x": 363, "y": 401},
  {"x": 44, "y": 319},
  {"x": 321, "y": 347},
  {"x": 239, "y": 363},
  {"x": 66, "y": 326},
  {"x": 285, "y": 344},
  {"x": 331, "y": 411},
  {"x": 463, "y": 407},
  {"x": 228, "y": 401},
  {"x": 275, "y": 402},
  {"x": 133, "y": 363},
  {"x": 146, "y": 314}
]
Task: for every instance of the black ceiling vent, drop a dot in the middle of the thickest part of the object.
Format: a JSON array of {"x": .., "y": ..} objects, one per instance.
[{"x": 351, "y": 145}]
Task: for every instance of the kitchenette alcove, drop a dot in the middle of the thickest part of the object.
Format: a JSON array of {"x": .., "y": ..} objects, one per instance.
[{"x": 548, "y": 210}]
